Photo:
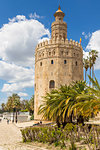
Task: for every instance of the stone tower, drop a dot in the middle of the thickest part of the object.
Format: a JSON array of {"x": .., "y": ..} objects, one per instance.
[{"x": 57, "y": 61}]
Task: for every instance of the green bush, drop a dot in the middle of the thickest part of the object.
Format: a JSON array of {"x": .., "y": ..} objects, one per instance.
[
  {"x": 70, "y": 134},
  {"x": 32, "y": 117},
  {"x": 44, "y": 134}
]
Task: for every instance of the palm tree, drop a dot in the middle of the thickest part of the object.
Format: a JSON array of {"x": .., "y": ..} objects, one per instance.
[
  {"x": 58, "y": 105},
  {"x": 94, "y": 55},
  {"x": 9, "y": 104},
  {"x": 90, "y": 66},
  {"x": 89, "y": 103},
  {"x": 86, "y": 66},
  {"x": 16, "y": 103},
  {"x": 31, "y": 103},
  {"x": 13, "y": 104},
  {"x": 3, "y": 107}
]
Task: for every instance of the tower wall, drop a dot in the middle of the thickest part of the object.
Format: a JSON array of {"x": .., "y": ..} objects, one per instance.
[{"x": 67, "y": 66}]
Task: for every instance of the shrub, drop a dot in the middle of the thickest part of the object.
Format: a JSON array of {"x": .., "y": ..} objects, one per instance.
[
  {"x": 32, "y": 117},
  {"x": 59, "y": 136},
  {"x": 44, "y": 134}
]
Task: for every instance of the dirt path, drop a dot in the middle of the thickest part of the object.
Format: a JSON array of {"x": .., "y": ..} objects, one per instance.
[{"x": 11, "y": 139}]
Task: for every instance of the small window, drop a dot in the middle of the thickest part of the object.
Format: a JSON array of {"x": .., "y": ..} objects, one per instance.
[
  {"x": 52, "y": 84},
  {"x": 40, "y": 63},
  {"x": 35, "y": 87},
  {"x": 49, "y": 53},
  {"x": 54, "y": 52},
  {"x": 62, "y": 52},
  {"x": 65, "y": 61},
  {"x": 66, "y": 53},
  {"x": 74, "y": 54},
  {"x": 51, "y": 61},
  {"x": 60, "y": 19},
  {"x": 76, "y": 63}
]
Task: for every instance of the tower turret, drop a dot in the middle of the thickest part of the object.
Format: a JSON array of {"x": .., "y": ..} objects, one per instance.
[{"x": 59, "y": 27}]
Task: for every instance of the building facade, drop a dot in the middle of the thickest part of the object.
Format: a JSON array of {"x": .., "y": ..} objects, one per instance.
[{"x": 58, "y": 61}]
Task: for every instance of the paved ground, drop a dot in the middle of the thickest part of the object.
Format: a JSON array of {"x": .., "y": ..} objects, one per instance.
[{"x": 10, "y": 138}]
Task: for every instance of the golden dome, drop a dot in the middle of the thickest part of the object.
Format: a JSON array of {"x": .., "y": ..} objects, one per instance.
[
  {"x": 59, "y": 12},
  {"x": 59, "y": 9}
]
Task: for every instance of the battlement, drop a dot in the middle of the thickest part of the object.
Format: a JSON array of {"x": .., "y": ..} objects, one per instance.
[{"x": 57, "y": 41}]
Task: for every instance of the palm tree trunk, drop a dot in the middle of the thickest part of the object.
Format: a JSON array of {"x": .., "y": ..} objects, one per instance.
[
  {"x": 58, "y": 123},
  {"x": 16, "y": 115},
  {"x": 85, "y": 75},
  {"x": 92, "y": 73},
  {"x": 90, "y": 76},
  {"x": 13, "y": 115}
]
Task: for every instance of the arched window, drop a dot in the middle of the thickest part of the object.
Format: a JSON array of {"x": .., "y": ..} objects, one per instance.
[
  {"x": 62, "y": 52},
  {"x": 52, "y": 84},
  {"x": 76, "y": 63},
  {"x": 35, "y": 87},
  {"x": 65, "y": 61},
  {"x": 51, "y": 61},
  {"x": 40, "y": 63},
  {"x": 49, "y": 53}
]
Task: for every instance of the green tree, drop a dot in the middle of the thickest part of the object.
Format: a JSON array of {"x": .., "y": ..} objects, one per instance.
[
  {"x": 89, "y": 103},
  {"x": 3, "y": 107},
  {"x": 24, "y": 105},
  {"x": 58, "y": 104},
  {"x": 86, "y": 66},
  {"x": 16, "y": 103},
  {"x": 28, "y": 105},
  {"x": 93, "y": 54},
  {"x": 9, "y": 104},
  {"x": 31, "y": 105},
  {"x": 13, "y": 104},
  {"x": 90, "y": 66}
]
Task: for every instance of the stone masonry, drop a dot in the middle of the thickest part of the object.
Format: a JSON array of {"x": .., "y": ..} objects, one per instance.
[{"x": 58, "y": 61}]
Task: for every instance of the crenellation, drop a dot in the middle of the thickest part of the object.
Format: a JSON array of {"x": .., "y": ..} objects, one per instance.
[
  {"x": 43, "y": 44},
  {"x": 71, "y": 42},
  {"x": 62, "y": 40},
  {"x": 67, "y": 43},
  {"x": 77, "y": 43},
  {"x": 46, "y": 42},
  {"x": 50, "y": 42}
]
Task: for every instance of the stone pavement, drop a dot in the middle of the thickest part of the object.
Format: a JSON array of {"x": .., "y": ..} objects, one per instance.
[{"x": 11, "y": 139}]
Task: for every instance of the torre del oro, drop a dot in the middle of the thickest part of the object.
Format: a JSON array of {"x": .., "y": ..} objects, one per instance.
[{"x": 58, "y": 61}]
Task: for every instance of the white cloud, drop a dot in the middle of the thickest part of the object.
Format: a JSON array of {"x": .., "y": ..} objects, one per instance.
[
  {"x": 86, "y": 36},
  {"x": 35, "y": 16},
  {"x": 17, "y": 77},
  {"x": 17, "y": 18},
  {"x": 43, "y": 39},
  {"x": 22, "y": 94},
  {"x": 15, "y": 87},
  {"x": 85, "y": 54},
  {"x": 14, "y": 73},
  {"x": 18, "y": 40},
  {"x": 94, "y": 44}
]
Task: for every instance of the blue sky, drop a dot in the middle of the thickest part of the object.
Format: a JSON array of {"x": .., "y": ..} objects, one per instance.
[{"x": 24, "y": 22}]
